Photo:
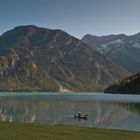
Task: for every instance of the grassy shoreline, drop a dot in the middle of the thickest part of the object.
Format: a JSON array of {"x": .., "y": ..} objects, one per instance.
[{"x": 19, "y": 131}]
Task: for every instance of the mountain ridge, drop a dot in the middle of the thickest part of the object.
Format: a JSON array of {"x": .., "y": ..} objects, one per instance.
[
  {"x": 120, "y": 49},
  {"x": 40, "y": 59}
]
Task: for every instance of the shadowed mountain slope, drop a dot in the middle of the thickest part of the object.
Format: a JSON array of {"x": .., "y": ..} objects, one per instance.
[{"x": 39, "y": 59}]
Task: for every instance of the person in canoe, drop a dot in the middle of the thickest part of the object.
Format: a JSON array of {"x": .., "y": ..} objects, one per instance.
[{"x": 79, "y": 116}]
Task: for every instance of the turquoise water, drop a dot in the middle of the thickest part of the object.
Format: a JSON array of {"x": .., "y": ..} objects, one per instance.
[
  {"x": 104, "y": 110},
  {"x": 44, "y": 93},
  {"x": 77, "y": 96}
]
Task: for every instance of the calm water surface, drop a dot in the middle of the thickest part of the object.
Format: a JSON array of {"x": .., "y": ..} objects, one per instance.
[{"x": 104, "y": 110}]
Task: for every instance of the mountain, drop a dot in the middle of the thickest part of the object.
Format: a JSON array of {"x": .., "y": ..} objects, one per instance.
[
  {"x": 120, "y": 49},
  {"x": 39, "y": 59},
  {"x": 129, "y": 85}
]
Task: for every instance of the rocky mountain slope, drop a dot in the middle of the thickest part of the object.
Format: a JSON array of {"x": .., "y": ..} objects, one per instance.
[
  {"x": 120, "y": 49},
  {"x": 39, "y": 59},
  {"x": 128, "y": 85}
]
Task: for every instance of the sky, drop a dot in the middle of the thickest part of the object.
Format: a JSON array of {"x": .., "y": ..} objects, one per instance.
[{"x": 77, "y": 17}]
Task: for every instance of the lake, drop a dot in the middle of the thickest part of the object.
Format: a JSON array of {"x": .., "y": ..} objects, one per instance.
[{"x": 104, "y": 110}]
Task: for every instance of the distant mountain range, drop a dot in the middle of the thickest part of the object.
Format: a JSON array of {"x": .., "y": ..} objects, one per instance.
[
  {"x": 39, "y": 59},
  {"x": 120, "y": 49}
]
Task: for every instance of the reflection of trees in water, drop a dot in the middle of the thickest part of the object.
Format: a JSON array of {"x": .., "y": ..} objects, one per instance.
[
  {"x": 133, "y": 107},
  {"x": 35, "y": 110},
  {"x": 40, "y": 110},
  {"x": 16, "y": 110}
]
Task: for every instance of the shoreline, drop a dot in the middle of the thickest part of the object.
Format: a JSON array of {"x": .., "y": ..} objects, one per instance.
[{"x": 22, "y": 131}]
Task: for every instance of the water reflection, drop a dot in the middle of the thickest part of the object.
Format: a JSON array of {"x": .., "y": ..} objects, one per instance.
[
  {"x": 101, "y": 114},
  {"x": 133, "y": 107}
]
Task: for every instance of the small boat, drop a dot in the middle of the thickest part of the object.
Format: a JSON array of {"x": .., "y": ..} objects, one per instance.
[{"x": 79, "y": 116}]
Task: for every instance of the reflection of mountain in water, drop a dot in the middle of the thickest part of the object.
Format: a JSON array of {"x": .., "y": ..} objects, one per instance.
[
  {"x": 40, "y": 110},
  {"x": 133, "y": 107}
]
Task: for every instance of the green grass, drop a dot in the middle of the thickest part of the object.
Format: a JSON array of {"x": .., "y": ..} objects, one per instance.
[{"x": 15, "y": 131}]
